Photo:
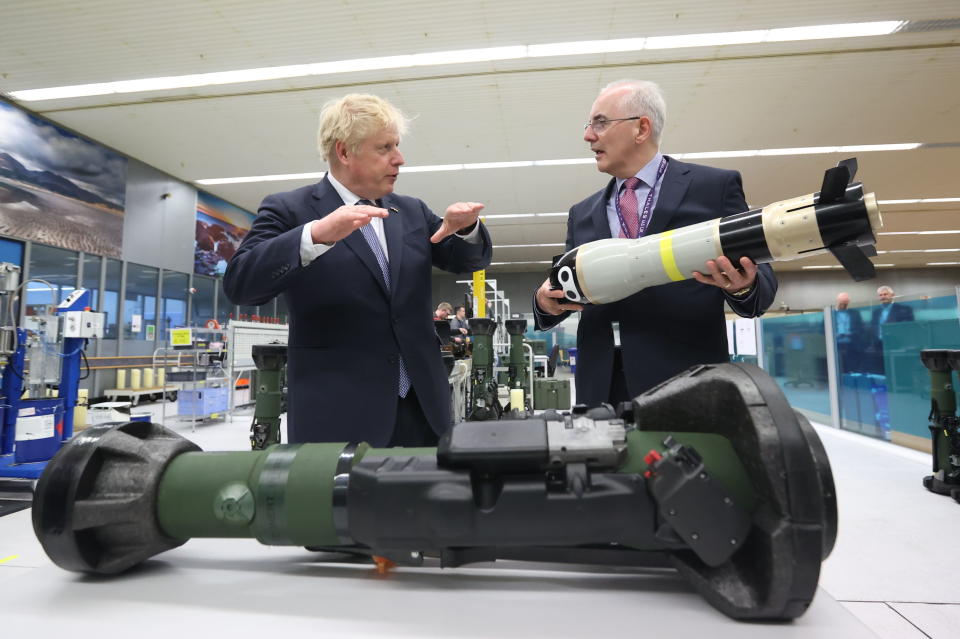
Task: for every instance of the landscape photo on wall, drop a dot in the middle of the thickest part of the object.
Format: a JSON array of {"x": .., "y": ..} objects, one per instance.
[
  {"x": 59, "y": 188},
  {"x": 221, "y": 227}
]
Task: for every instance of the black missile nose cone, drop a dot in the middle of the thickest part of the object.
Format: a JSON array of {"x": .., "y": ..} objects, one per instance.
[{"x": 563, "y": 276}]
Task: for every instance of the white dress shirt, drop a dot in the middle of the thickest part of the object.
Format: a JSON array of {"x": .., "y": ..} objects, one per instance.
[{"x": 310, "y": 251}]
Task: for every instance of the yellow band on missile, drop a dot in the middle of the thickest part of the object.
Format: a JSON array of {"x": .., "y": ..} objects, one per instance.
[{"x": 666, "y": 257}]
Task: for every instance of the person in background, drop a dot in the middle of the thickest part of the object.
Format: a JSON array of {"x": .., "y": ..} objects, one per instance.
[
  {"x": 459, "y": 323},
  {"x": 848, "y": 328},
  {"x": 888, "y": 312},
  {"x": 443, "y": 311}
]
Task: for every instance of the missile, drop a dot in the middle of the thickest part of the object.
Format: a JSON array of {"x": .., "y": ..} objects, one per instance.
[{"x": 840, "y": 219}]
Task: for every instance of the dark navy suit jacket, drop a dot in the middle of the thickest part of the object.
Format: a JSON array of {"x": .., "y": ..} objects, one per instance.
[
  {"x": 346, "y": 329},
  {"x": 668, "y": 328}
]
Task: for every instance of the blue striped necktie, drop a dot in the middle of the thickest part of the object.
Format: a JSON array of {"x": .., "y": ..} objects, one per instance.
[{"x": 371, "y": 237}]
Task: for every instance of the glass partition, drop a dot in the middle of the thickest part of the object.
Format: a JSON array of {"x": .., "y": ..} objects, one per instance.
[
  {"x": 795, "y": 355},
  {"x": 203, "y": 299},
  {"x": 140, "y": 303},
  {"x": 91, "y": 279},
  {"x": 173, "y": 305},
  {"x": 225, "y": 308},
  {"x": 891, "y": 374},
  {"x": 111, "y": 299},
  {"x": 56, "y": 266}
]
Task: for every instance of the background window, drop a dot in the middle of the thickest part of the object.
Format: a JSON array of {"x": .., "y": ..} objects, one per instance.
[
  {"x": 203, "y": 299},
  {"x": 56, "y": 266},
  {"x": 140, "y": 302},
  {"x": 173, "y": 307},
  {"x": 111, "y": 299},
  {"x": 91, "y": 279}
]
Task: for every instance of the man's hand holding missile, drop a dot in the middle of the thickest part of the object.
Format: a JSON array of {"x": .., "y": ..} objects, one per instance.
[
  {"x": 722, "y": 274},
  {"x": 551, "y": 301}
]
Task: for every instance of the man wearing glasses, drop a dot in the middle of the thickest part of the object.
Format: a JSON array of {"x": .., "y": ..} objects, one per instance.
[{"x": 629, "y": 346}]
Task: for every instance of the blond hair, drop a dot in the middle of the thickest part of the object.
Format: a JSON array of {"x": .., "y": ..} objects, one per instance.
[{"x": 353, "y": 118}]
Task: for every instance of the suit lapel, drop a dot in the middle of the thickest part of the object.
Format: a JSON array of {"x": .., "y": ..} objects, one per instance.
[
  {"x": 327, "y": 200},
  {"x": 601, "y": 225},
  {"x": 394, "y": 229},
  {"x": 674, "y": 186}
]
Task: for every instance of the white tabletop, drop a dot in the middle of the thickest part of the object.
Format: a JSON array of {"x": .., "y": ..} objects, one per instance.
[{"x": 248, "y": 590}]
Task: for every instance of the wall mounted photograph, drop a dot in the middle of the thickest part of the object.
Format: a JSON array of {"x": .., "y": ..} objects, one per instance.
[
  {"x": 221, "y": 227},
  {"x": 59, "y": 188}
]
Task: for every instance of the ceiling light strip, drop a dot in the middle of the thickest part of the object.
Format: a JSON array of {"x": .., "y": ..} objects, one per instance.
[
  {"x": 529, "y": 163},
  {"x": 461, "y": 56}
]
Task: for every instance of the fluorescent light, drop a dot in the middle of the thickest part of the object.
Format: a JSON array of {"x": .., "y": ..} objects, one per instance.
[
  {"x": 431, "y": 167},
  {"x": 834, "y": 266},
  {"x": 940, "y": 200},
  {"x": 535, "y": 262},
  {"x": 706, "y": 155},
  {"x": 919, "y": 233},
  {"x": 799, "y": 150},
  {"x": 497, "y": 165},
  {"x": 943, "y": 250},
  {"x": 821, "y": 32},
  {"x": 586, "y": 47},
  {"x": 943, "y": 263},
  {"x": 263, "y": 178},
  {"x": 461, "y": 56},
  {"x": 706, "y": 39},
  {"x": 700, "y": 155},
  {"x": 857, "y": 148},
  {"x": 562, "y": 162},
  {"x": 506, "y": 246},
  {"x": 563, "y": 214}
]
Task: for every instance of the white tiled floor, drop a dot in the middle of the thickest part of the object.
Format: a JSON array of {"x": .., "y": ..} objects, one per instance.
[{"x": 894, "y": 565}]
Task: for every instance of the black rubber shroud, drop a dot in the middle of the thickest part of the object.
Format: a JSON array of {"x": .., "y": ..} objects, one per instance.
[{"x": 773, "y": 576}]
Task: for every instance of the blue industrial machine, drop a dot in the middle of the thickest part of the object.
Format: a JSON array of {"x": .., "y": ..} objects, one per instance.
[{"x": 40, "y": 376}]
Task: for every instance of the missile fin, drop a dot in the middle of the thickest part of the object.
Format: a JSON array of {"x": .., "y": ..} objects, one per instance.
[
  {"x": 835, "y": 181},
  {"x": 851, "y": 164},
  {"x": 854, "y": 261}
]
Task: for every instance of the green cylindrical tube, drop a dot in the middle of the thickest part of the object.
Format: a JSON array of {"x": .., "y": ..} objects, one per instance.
[
  {"x": 281, "y": 496},
  {"x": 942, "y": 397},
  {"x": 270, "y": 360},
  {"x": 284, "y": 495},
  {"x": 941, "y": 392},
  {"x": 517, "y": 359},
  {"x": 482, "y": 330}
]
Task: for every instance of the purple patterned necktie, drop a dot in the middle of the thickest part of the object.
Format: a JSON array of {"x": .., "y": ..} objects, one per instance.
[
  {"x": 627, "y": 206},
  {"x": 371, "y": 237}
]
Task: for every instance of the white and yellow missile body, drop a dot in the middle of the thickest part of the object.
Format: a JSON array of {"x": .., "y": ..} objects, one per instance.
[{"x": 840, "y": 219}]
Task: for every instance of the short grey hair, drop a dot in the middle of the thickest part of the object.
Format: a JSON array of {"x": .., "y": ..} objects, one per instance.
[
  {"x": 884, "y": 289},
  {"x": 644, "y": 98}
]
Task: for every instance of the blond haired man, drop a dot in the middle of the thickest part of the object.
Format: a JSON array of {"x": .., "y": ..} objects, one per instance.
[{"x": 353, "y": 260}]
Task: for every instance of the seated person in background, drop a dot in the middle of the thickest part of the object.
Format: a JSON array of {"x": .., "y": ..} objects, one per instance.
[
  {"x": 443, "y": 311},
  {"x": 459, "y": 323}
]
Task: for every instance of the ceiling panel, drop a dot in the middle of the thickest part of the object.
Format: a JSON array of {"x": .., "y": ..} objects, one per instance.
[{"x": 899, "y": 88}]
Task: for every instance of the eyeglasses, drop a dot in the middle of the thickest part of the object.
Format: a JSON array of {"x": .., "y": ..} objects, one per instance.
[{"x": 602, "y": 124}]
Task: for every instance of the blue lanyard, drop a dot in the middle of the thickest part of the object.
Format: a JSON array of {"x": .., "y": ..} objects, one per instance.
[{"x": 647, "y": 206}]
